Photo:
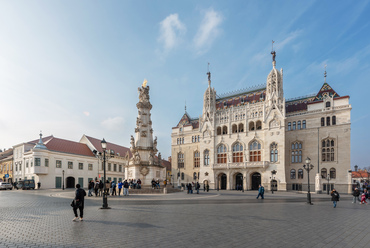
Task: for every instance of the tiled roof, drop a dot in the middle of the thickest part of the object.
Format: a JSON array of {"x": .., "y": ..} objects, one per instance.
[
  {"x": 243, "y": 98},
  {"x": 360, "y": 174},
  {"x": 166, "y": 164},
  {"x": 186, "y": 120},
  {"x": 44, "y": 140},
  {"x": 67, "y": 146},
  {"x": 6, "y": 153},
  {"x": 110, "y": 146},
  {"x": 298, "y": 104}
]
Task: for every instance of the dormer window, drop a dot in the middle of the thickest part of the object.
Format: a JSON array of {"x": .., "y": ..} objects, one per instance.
[{"x": 327, "y": 104}]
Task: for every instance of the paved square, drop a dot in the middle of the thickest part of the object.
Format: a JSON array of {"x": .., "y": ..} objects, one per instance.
[{"x": 216, "y": 219}]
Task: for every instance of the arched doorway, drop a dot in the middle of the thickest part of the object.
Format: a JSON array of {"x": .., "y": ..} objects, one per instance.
[
  {"x": 256, "y": 180},
  {"x": 223, "y": 181},
  {"x": 238, "y": 181},
  {"x": 70, "y": 182}
]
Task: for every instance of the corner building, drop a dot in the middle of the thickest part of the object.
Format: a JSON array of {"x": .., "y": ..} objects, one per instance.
[{"x": 255, "y": 136}]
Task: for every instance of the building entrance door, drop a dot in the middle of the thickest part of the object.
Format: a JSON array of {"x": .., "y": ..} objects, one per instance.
[
  {"x": 239, "y": 181},
  {"x": 256, "y": 180},
  {"x": 223, "y": 181},
  {"x": 70, "y": 182}
]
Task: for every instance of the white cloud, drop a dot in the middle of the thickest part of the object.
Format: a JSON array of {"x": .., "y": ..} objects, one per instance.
[
  {"x": 115, "y": 123},
  {"x": 290, "y": 37},
  {"x": 209, "y": 29},
  {"x": 86, "y": 113},
  {"x": 171, "y": 31}
]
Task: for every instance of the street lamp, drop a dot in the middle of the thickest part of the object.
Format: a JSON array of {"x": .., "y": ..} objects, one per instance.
[
  {"x": 272, "y": 178},
  {"x": 243, "y": 177},
  {"x": 105, "y": 197},
  {"x": 63, "y": 178},
  {"x": 308, "y": 166},
  {"x": 328, "y": 178}
]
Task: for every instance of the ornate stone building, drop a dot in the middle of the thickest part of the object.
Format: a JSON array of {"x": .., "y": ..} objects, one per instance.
[{"x": 255, "y": 136}]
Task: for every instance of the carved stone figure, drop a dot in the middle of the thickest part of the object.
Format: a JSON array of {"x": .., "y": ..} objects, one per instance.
[
  {"x": 151, "y": 159},
  {"x": 132, "y": 142},
  {"x": 137, "y": 158},
  {"x": 143, "y": 94},
  {"x": 155, "y": 143}
]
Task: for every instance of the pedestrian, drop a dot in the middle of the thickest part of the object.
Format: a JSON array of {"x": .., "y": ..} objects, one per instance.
[
  {"x": 261, "y": 191},
  {"x": 96, "y": 188},
  {"x": 191, "y": 188},
  {"x": 107, "y": 187},
  {"x": 207, "y": 187},
  {"x": 197, "y": 187},
  {"x": 204, "y": 187},
  {"x": 101, "y": 187},
  {"x": 91, "y": 187},
  {"x": 125, "y": 188},
  {"x": 356, "y": 194},
  {"x": 39, "y": 185},
  {"x": 120, "y": 184},
  {"x": 334, "y": 197},
  {"x": 79, "y": 202},
  {"x": 114, "y": 192},
  {"x": 363, "y": 199}
]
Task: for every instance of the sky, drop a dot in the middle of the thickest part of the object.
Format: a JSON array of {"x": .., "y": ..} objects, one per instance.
[{"x": 69, "y": 68}]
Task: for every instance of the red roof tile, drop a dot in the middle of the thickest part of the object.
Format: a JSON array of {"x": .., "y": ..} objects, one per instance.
[
  {"x": 359, "y": 174},
  {"x": 67, "y": 146},
  {"x": 110, "y": 146}
]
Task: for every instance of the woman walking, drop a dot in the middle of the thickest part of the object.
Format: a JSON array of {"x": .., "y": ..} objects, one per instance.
[{"x": 334, "y": 197}]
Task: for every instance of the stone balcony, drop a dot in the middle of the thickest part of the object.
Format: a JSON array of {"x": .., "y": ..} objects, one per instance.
[
  {"x": 244, "y": 165},
  {"x": 41, "y": 170}
]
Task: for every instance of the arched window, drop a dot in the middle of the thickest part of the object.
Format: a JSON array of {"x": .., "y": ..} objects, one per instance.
[
  {"x": 322, "y": 121},
  {"x": 206, "y": 157},
  {"x": 258, "y": 125},
  {"x": 324, "y": 173},
  {"x": 294, "y": 125},
  {"x": 328, "y": 121},
  {"x": 289, "y": 126},
  {"x": 251, "y": 126},
  {"x": 299, "y": 125},
  {"x": 328, "y": 150},
  {"x": 304, "y": 124},
  {"x": 237, "y": 153},
  {"x": 234, "y": 128},
  {"x": 300, "y": 174},
  {"x": 241, "y": 128},
  {"x": 332, "y": 173},
  {"x": 218, "y": 130},
  {"x": 297, "y": 152},
  {"x": 273, "y": 152},
  {"x": 327, "y": 104},
  {"x": 178, "y": 141},
  {"x": 192, "y": 139},
  {"x": 292, "y": 174},
  {"x": 224, "y": 130},
  {"x": 333, "y": 120},
  {"x": 180, "y": 160},
  {"x": 196, "y": 159},
  {"x": 221, "y": 154},
  {"x": 255, "y": 151},
  {"x": 195, "y": 176}
]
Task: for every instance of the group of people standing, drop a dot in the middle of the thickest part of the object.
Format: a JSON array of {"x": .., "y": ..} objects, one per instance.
[
  {"x": 356, "y": 196},
  {"x": 111, "y": 187},
  {"x": 192, "y": 185}
]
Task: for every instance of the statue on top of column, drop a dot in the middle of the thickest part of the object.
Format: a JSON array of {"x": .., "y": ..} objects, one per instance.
[{"x": 144, "y": 92}]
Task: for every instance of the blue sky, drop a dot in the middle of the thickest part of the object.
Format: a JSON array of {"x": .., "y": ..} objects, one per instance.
[{"x": 70, "y": 68}]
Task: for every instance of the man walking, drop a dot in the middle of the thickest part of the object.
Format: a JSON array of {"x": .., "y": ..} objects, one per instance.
[
  {"x": 114, "y": 192},
  {"x": 79, "y": 202},
  {"x": 120, "y": 184},
  {"x": 261, "y": 191},
  {"x": 356, "y": 194},
  {"x": 91, "y": 187},
  {"x": 125, "y": 188}
]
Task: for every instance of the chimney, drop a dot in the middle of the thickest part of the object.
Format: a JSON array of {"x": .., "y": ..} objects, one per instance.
[{"x": 356, "y": 167}]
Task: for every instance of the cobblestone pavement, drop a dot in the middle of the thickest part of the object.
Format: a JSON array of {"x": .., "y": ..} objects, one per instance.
[{"x": 43, "y": 218}]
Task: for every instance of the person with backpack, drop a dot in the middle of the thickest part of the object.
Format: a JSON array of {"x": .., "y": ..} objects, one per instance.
[
  {"x": 78, "y": 202},
  {"x": 356, "y": 194},
  {"x": 125, "y": 188},
  {"x": 113, "y": 185},
  {"x": 334, "y": 197},
  {"x": 261, "y": 191}
]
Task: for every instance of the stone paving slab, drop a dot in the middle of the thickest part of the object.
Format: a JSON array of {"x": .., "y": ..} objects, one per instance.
[{"x": 44, "y": 219}]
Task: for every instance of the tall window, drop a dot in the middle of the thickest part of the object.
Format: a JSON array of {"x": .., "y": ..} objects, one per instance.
[
  {"x": 224, "y": 130},
  {"x": 324, "y": 173},
  {"x": 80, "y": 166},
  {"x": 292, "y": 174},
  {"x": 192, "y": 139},
  {"x": 327, "y": 104},
  {"x": 114, "y": 167},
  {"x": 251, "y": 126},
  {"x": 273, "y": 152},
  {"x": 237, "y": 153},
  {"x": 58, "y": 164},
  {"x": 37, "y": 161},
  {"x": 182, "y": 175},
  {"x": 218, "y": 130},
  {"x": 120, "y": 168},
  {"x": 322, "y": 121},
  {"x": 327, "y": 150},
  {"x": 180, "y": 160},
  {"x": 299, "y": 125},
  {"x": 332, "y": 173},
  {"x": 289, "y": 126},
  {"x": 294, "y": 125},
  {"x": 300, "y": 174},
  {"x": 221, "y": 154},
  {"x": 90, "y": 167},
  {"x": 46, "y": 162},
  {"x": 304, "y": 124},
  {"x": 196, "y": 159},
  {"x": 70, "y": 165},
  {"x": 255, "y": 151},
  {"x": 206, "y": 157},
  {"x": 328, "y": 121},
  {"x": 296, "y": 152},
  {"x": 333, "y": 120}
]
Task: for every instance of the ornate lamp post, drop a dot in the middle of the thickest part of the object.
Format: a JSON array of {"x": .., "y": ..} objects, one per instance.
[
  {"x": 273, "y": 172},
  {"x": 308, "y": 166},
  {"x": 327, "y": 187},
  {"x": 105, "y": 197},
  {"x": 63, "y": 178}
]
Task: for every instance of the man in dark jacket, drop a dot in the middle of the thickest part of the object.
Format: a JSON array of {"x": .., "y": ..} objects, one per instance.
[
  {"x": 356, "y": 194},
  {"x": 79, "y": 202}
]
